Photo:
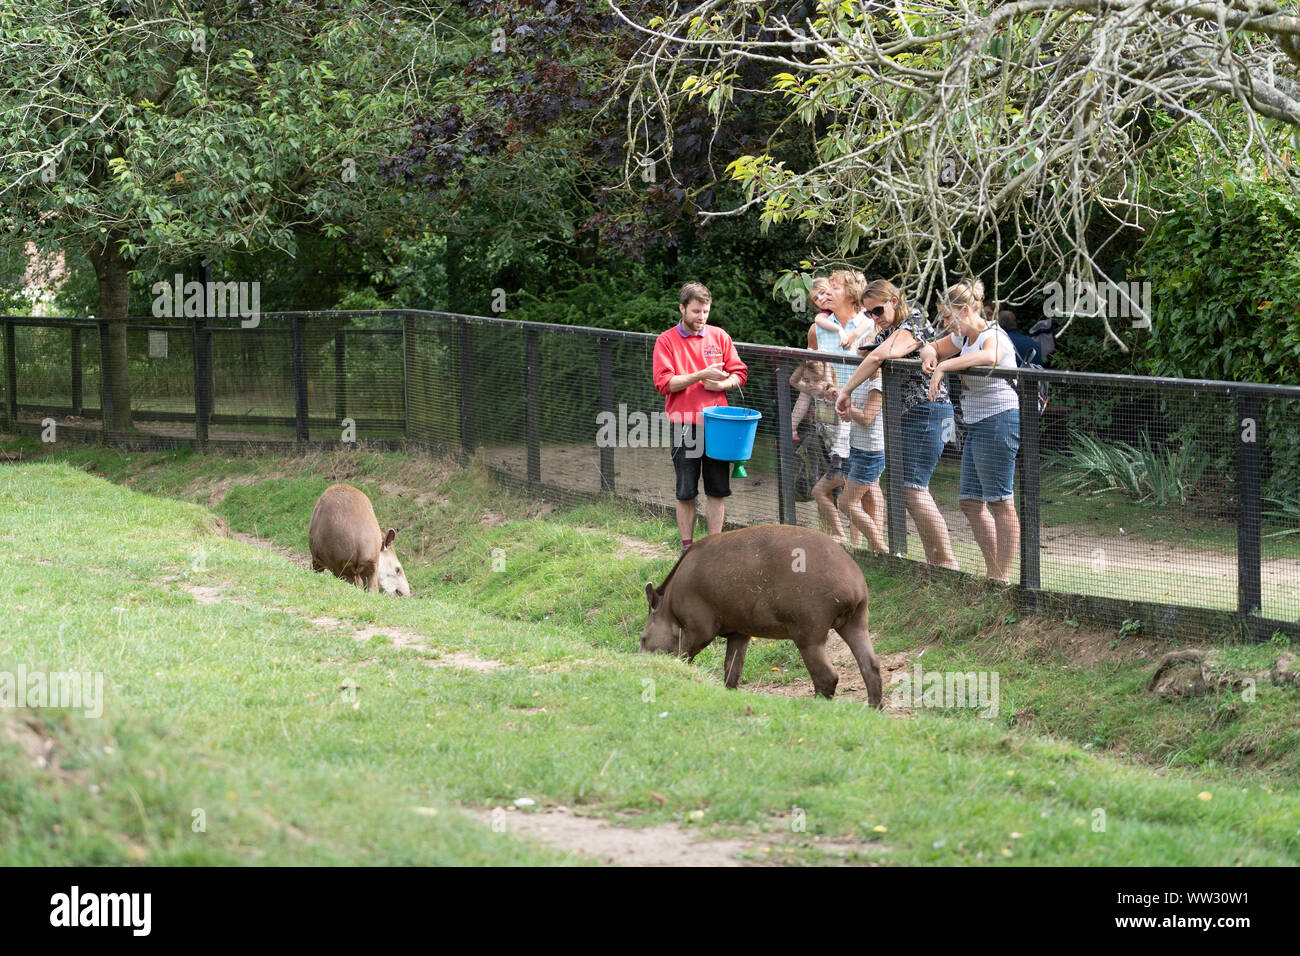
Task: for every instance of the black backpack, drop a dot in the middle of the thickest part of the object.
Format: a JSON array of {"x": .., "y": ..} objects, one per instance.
[{"x": 1043, "y": 332}]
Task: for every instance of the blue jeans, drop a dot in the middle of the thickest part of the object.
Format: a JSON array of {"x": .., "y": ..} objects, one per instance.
[
  {"x": 926, "y": 427},
  {"x": 988, "y": 460},
  {"x": 864, "y": 466}
]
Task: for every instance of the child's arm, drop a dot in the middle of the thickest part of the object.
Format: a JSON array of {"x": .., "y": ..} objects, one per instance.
[
  {"x": 875, "y": 401},
  {"x": 827, "y": 322},
  {"x": 800, "y": 410},
  {"x": 867, "y": 414}
]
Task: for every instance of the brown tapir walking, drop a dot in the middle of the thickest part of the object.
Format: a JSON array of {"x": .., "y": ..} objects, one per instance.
[
  {"x": 345, "y": 539},
  {"x": 772, "y": 581}
]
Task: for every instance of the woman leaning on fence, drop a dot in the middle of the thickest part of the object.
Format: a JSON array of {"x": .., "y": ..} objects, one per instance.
[
  {"x": 991, "y": 410},
  {"x": 926, "y": 422}
]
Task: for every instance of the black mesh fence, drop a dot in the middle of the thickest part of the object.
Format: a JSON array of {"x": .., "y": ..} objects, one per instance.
[{"x": 1156, "y": 504}]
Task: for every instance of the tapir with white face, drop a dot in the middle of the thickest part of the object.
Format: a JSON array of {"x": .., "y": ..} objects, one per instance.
[{"x": 345, "y": 540}]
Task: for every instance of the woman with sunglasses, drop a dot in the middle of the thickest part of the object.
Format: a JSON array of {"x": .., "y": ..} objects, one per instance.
[
  {"x": 991, "y": 410},
  {"x": 927, "y": 421}
]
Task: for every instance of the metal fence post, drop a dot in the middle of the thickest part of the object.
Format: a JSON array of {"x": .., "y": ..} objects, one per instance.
[
  {"x": 341, "y": 375},
  {"x": 1030, "y": 493},
  {"x": 533, "y": 404},
  {"x": 605, "y": 353},
  {"x": 786, "y": 505},
  {"x": 408, "y": 367},
  {"x": 467, "y": 436},
  {"x": 202, "y": 377},
  {"x": 11, "y": 372},
  {"x": 105, "y": 379},
  {"x": 299, "y": 381},
  {"x": 896, "y": 515},
  {"x": 1250, "y": 432},
  {"x": 76, "y": 373}
]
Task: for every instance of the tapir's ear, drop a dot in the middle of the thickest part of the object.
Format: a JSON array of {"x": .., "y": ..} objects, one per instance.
[
  {"x": 388, "y": 538},
  {"x": 652, "y": 596}
]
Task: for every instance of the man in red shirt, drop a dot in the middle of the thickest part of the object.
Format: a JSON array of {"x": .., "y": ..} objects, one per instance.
[{"x": 695, "y": 364}]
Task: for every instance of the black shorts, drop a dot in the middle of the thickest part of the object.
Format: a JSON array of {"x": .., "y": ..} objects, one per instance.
[
  {"x": 834, "y": 467},
  {"x": 689, "y": 468}
]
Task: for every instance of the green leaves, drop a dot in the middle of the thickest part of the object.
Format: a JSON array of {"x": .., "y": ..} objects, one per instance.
[{"x": 182, "y": 149}]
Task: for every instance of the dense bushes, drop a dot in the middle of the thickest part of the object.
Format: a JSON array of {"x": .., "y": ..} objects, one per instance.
[{"x": 1225, "y": 299}]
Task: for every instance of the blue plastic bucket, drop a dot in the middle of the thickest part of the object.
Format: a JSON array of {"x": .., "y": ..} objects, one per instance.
[{"x": 729, "y": 432}]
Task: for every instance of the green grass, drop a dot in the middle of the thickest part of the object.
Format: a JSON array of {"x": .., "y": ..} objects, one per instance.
[{"x": 235, "y": 708}]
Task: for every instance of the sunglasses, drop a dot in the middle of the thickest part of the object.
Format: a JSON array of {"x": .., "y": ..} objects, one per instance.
[{"x": 878, "y": 311}]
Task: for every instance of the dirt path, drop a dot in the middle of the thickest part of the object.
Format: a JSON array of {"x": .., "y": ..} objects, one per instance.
[
  {"x": 664, "y": 845},
  {"x": 850, "y": 685}
]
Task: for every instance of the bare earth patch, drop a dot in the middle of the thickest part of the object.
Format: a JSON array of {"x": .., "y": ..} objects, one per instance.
[
  {"x": 294, "y": 557},
  {"x": 205, "y": 594},
  {"x": 211, "y": 493},
  {"x": 850, "y": 685},
  {"x": 629, "y": 546},
  {"x": 404, "y": 637},
  {"x": 39, "y": 748},
  {"x": 664, "y": 845}
]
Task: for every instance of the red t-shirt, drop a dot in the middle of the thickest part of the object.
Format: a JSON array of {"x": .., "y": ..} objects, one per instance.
[{"x": 676, "y": 354}]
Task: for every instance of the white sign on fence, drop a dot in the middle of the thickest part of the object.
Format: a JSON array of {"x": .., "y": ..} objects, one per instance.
[{"x": 157, "y": 344}]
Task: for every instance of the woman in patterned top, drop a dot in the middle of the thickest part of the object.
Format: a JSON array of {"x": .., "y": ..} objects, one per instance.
[{"x": 927, "y": 422}]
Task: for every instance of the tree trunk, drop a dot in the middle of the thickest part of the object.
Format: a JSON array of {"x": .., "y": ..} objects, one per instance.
[{"x": 111, "y": 270}]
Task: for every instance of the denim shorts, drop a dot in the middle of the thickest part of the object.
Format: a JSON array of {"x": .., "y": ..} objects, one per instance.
[
  {"x": 988, "y": 461},
  {"x": 927, "y": 426},
  {"x": 864, "y": 467}
]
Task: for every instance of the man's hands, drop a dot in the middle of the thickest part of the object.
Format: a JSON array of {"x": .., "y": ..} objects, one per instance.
[{"x": 715, "y": 378}]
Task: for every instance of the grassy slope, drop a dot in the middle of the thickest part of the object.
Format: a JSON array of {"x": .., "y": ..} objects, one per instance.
[{"x": 252, "y": 707}]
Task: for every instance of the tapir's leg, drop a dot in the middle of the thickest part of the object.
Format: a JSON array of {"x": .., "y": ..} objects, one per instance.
[
  {"x": 317, "y": 566},
  {"x": 697, "y": 634},
  {"x": 737, "y": 645},
  {"x": 691, "y": 647},
  {"x": 813, "y": 650},
  {"x": 855, "y": 635}
]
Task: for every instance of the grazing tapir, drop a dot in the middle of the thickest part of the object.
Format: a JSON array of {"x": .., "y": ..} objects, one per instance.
[
  {"x": 772, "y": 581},
  {"x": 345, "y": 539}
]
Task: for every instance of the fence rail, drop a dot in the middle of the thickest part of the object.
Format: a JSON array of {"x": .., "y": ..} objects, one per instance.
[{"x": 1205, "y": 535}]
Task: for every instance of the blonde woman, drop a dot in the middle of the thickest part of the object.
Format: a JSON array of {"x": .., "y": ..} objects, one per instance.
[{"x": 991, "y": 410}]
